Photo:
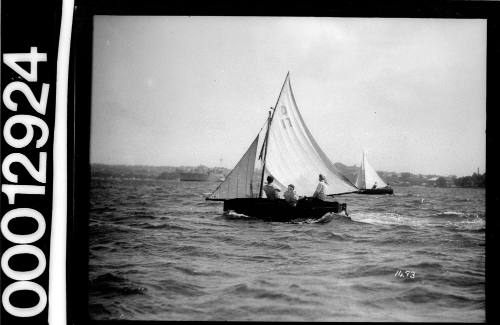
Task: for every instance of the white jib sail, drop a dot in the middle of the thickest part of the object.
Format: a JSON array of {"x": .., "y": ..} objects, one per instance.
[
  {"x": 368, "y": 176},
  {"x": 238, "y": 184},
  {"x": 294, "y": 157},
  {"x": 360, "y": 178}
]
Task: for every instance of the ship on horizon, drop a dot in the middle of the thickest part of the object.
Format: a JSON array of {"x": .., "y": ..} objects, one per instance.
[{"x": 202, "y": 175}]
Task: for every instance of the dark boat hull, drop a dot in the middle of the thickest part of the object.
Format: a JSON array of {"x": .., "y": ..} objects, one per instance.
[
  {"x": 379, "y": 191},
  {"x": 280, "y": 210}
]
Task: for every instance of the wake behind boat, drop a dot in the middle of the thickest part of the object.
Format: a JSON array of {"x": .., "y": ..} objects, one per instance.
[
  {"x": 369, "y": 182},
  {"x": 290, "y": 154}
]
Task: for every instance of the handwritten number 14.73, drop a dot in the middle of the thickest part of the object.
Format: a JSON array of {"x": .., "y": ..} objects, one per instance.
[{"x": 404, "y": 274}]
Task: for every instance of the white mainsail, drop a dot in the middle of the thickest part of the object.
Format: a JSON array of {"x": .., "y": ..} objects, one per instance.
[
  {"x": 293, "y": 156},
  {"x": 238, "y": 183},
  {"x": 367, "y": 176}
]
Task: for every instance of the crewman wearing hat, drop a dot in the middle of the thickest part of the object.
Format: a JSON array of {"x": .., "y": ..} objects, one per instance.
[
  {"x": 290, "y": 195},
  {"x": 321, "y": 188}
]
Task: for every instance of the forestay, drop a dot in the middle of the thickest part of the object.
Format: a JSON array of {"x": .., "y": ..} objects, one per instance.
[
  {"x": 367, "y": 176},
  {"x": 293, "y": 156},
  {"x": 238, "y": 184}
]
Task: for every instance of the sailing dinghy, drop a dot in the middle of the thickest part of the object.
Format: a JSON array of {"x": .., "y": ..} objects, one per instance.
[
  {"x": 287, "y": 151},
  {"x": 369, "y": 182}
]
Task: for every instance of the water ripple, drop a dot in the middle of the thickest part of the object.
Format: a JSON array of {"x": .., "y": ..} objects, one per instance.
[{"x": 159, "y": 251}]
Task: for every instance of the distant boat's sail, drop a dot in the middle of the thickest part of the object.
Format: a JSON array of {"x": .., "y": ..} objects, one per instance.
[
  {"x": 360, "y": 178},
  {"x": 367, "y": 176},
  {"x": 238, "y": 184},
  {"x": 293, "y": 156}
]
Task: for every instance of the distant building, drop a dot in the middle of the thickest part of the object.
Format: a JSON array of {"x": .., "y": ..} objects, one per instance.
[{"x": 441, "y": 181}]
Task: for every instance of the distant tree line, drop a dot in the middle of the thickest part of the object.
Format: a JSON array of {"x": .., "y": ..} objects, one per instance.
[
  {"x": 147, "y": 172},
  {"x": 398, "y": 179},
  {"x": 476, "y": 180}
]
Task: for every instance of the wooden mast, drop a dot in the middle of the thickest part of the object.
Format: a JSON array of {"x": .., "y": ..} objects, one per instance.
[{"x": 270, "y": 119}]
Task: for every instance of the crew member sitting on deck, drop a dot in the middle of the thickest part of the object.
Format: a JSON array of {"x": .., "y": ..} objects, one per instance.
[
  {"x": 321, "y": 189},
  {"x": 374, "y": 186},
  {"x": 290, "y": 195},
  {"x": 271, "y": 190}
]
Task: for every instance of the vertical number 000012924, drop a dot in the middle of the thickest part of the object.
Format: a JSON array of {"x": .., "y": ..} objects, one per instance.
[{"x": 24, "y": 243}]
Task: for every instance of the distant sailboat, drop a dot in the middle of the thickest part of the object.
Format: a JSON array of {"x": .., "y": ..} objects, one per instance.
[
  {"x": 369, "y": 182},
  {"x": 290, "y": 154}
]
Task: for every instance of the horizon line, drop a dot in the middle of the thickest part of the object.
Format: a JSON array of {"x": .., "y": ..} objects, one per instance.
[{"x": 385, "y": 171}]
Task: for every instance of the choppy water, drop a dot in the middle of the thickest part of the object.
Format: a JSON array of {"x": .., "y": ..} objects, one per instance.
[{"x": 158, "y": 251}]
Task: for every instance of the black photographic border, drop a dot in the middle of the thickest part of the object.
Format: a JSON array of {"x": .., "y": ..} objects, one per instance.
[{"x": 79, "y": 108}]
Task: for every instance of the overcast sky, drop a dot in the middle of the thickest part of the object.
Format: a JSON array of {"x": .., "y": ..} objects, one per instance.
[{"x": 194, "y": 90}]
